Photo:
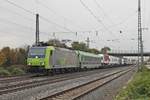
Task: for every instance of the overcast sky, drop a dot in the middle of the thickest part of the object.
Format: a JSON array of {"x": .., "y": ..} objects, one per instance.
[{"x": 65, "y": 17}]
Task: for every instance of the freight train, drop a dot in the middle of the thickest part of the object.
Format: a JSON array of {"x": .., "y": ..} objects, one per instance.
[{"x": 53, "y": 59}]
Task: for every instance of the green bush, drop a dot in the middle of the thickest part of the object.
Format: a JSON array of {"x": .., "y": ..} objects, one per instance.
[
  {"x": 15, "y": 70},
  {"x": 12, "y": 70},
  {"x": 22, "y": 67},
  {"x": 4, "y": 72},
  {"x": 138, "y": 89}
]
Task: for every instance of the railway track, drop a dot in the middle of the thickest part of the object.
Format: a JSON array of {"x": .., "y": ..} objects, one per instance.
[
  {"x": 16, "y": 78},
  {"x": 78, "y": 91},
  {"x": 21, "y": 77},
  {"x": 49, "y": 80},
  {"x": 9, "y": 79}
]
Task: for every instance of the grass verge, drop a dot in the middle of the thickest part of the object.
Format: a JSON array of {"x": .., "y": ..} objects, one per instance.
[{"x": 138, "y": 88}]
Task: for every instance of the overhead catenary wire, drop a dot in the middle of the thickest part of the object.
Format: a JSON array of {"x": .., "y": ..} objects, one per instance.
[
  {"x": 14, "y": 23},
  {"x": 18, "y": 24},
  {"x": 51, "y": 23},
  {"x": 103, "y": 11},
  {"x": 96, "y": 18},
  {"x": 124, "y": 20},
  {"x": 108, "y": 17},
  {"x": 59, "y": 15},
  {"x": 48, "y": 21},
  {"x": 23, "y": 26},
  {"x": 29, "y": 19},
  {"x": 18, "y": 6},
  {"x": 16, "y": 13},
  {"x": 114, "y": 25},
  {"x": 13, "y": 33},
  {"x": 14, "y": 36},
  {"x": 45, "y": 19},
  {"x": 52, "y": 11}
]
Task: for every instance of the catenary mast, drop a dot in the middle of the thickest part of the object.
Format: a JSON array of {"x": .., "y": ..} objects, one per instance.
[{"x": 140, "y": 38}]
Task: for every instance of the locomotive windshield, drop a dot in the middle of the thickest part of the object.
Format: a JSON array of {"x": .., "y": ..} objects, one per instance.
[{"x": 37, "y": 52}]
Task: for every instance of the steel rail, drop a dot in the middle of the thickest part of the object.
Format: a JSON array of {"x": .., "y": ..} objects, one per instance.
[
  {"x": 76, "y": 92},
  {"x": 19, "y": 87}
]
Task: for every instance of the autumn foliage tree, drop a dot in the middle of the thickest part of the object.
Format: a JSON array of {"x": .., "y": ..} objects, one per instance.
[
  {"x": 12, "y": 56},
  {"x": 2, "y": 58}
]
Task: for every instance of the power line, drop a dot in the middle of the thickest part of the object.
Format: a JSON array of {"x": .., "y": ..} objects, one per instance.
[
  {"x": 91, "y": 12},
  {"x": 23, "y": 26},
  {"x": 52, "y": 11},
  {"x": 114, "y": 25},
  {"x": 20, "y": 35},
  {"x": 18, "y": 6},
  {"x": 98, "y": 20},
  {"x": 104, "y": 13},
  {"x": 16, "y": 13},
  {"x": 31, "y": 28},
  {"x": 33, "y": 20},
  {"x": 124, "y": 20},
  {"x": 48, "y": 21},
  {"x": 14, "y": 34},
  {"x": 14, "y": 23}
]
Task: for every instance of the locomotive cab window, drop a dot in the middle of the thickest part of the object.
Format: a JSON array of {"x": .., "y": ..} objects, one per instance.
[{"x": 36, "y": 52}]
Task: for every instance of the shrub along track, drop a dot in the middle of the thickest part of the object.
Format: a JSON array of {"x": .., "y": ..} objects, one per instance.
[{"x": 35, "y": 82}]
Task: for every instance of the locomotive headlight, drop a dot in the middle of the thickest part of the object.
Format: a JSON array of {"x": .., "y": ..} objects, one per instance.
[
  {"x": 42, "y": 63},
  {"x": 29, "y": 63}
]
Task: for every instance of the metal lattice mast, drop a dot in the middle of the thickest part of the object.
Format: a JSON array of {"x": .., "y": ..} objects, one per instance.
[{"x": 140, "y": 39}]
